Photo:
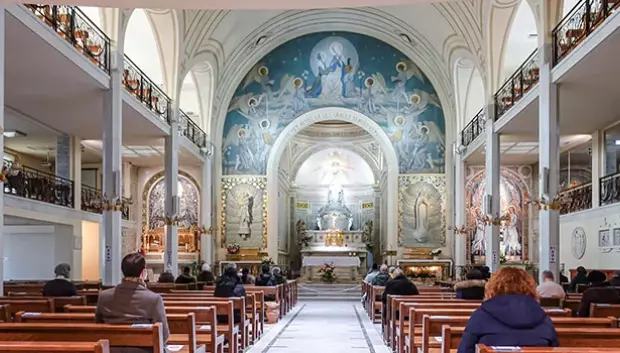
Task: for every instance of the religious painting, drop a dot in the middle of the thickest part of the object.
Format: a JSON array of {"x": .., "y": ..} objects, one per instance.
[
  {"x": 244, "y": 212},
  {"x": 421, "y": 211},
  {"x": 335, "y": 69},
  {"x": 189, "y": 201},
  {"x": 513, "y": 232}
]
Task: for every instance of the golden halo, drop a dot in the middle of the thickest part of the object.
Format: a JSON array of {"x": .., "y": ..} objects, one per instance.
[
  {"x": 424, "y": 130},
  {"x": 252, "y": 102},
  {"x": 241, "y": 132},
  {"x": 263, "y": 71},
  {"x": 369, "y": 82},
  {"x": 265, "y": 124},
  {"x": 298, "y": 82},
  {"x": 401, "y": 66},
  {"x": 399, "y": 120},
  {"x": 415, "y": 98}
]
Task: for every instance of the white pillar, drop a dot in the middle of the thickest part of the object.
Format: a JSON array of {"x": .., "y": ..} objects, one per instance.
[
  {"x": 460, "y": 218},
  {"x": 2, "y": 54},
  {"x": 206, "y": 210},
  {"x": 171, "y": 254},
  {"x": 76, "y": 171},
  {"x": 598, "y": 156},
  {"x": 112, "y": 171},
  {"x": 492, "y": 200}
]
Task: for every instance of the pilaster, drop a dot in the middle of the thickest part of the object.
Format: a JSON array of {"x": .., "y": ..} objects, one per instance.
[
  {"x": 206, "y": 210},
  {"x": 2, "y": 61},
  {"x": 492, "y": 197},
  {"x": 460, "y": 218},
  {"x": 171, "y": 254},
  {"x": 76, "y": 171}
]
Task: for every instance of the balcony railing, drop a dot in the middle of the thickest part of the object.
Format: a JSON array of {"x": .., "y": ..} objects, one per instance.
[
  {"x": 37, "y": 185},
  {"x": 92, "y": 201},
  {"x": 517, "y": 85},
  {"x": 138, "y": 84},
  {"x": 75, "y": 27},
  {"x": 582, "y": 20},
  {"x": 609, "y": 189},
  {"x": 474, "y": 128},
  {"x": 189, "y": 129},
  {"x": 579, "y": 198}
]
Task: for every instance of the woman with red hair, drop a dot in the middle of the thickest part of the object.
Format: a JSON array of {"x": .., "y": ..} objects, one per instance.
[{"x": 510, "y": 315}]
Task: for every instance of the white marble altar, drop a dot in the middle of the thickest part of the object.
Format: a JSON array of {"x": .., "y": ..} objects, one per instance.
[{"x": 336, "y": 261}]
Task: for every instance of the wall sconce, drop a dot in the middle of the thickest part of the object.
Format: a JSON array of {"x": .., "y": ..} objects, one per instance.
[
  {"x": 544, "y": 203},
  {"x": 491, "y": 220},
  {"x": 462, "y": 230}
]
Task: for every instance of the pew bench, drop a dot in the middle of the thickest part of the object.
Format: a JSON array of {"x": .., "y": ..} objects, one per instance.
[
  {"x": 481, "y": 348},
  {"x": 101, "y": 346}
]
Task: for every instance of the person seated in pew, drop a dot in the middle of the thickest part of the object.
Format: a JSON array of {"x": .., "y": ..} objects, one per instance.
[
  {"x": 131, "y": 302},
  {"x": 580, "y": 278},
  {"x": 166, "y": 277},
  {"x": 185, "y": 277},
  {"x": 550, "y": 289},
  {"x": 563, "y": 278},
  {"x": 266, "y": 279},
  {"x": 246, "y": 277},
  {"x": 599, "y": 292},
  {"x": 399, "y": 285},
  {"x": 206, "y": 275},
  {"x": 372, "y": 274},
  {"x": 472, "y": 287},
  {"x": 61, "y": 286},
  {"x": 277, "y": 275},
  {"x": 227, "y": 286},
  {"x": 510, "y": 315},
  {"x": 382, "y": 277},
  {"x": 486, "y": 272},
  {"x": 615, "y": 281}
]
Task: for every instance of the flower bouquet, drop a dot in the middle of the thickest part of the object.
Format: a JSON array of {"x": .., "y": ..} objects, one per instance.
[
  {"x": 233, "y": 248},
  {"x": 327, "y": 273}
]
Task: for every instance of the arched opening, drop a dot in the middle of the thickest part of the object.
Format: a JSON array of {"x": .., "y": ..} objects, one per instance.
[
  {"x": 142, "y": 48},
  {"x": 469, "y": 91},
  {"x": 521, "y": 41},
  {"x": 197, "y": 94}
]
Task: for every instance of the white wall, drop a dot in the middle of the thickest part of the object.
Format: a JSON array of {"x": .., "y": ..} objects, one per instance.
[{"x": 606, "y": 217}]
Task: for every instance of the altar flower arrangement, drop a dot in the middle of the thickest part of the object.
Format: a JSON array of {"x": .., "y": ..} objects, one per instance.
[
  {"x": 436, "y": 252},
  {"x": 327, "y": 273},
  {"x": 267, "y": 261},
  {"x": 233, "y": 248}
]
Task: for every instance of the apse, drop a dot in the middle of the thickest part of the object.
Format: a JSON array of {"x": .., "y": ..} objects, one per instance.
[{"x": 334, "y": 166}]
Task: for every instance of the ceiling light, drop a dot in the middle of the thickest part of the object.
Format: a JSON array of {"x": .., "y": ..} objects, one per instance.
[
  {"x": 405, "y": 37},
  {"x": 532, "y": 35},
  {"x": 617, "y": 142},
  {"x": 13, "y": 133}
]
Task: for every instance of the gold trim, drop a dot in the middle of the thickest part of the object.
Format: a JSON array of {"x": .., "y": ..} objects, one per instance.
[{"x": 228, "y": 182}]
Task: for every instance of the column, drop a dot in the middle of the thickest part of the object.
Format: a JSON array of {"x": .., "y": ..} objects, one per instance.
[
  {"x": 112, "y": 172},
  {"x": 63, "y": 156},
  {"x": 549, "y": 153},
  {"x": 206, "y": 210},
  {"x": 491, "y": 200},
  {"x": 2, "y": 55},
  {"x": 460, "y": 218},
  {"x": 598, "y": 157},
  {"x": 76, "y": 171},
  {"x": 171, "y": 254}
]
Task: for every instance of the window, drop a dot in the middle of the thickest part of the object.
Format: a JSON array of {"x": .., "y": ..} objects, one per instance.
[
  {"x": 612, "y": 150},
  {"x": 576, "y": 166}
]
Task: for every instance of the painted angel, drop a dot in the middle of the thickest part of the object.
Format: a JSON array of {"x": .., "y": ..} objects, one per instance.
[{"x": 406, "y": 69}]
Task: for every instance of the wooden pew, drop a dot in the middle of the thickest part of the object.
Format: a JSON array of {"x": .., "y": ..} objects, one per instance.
[
  {"x": 604, "y": 310},
  {"x": 101, "y": 346},
  {"x": 375, "y": 303},
  {"x": 432, "y": 327},
  {"x": 568, "y": 337},
  {"x": 485, "y": 349},
  {"x": 147, "y": 336},
  {"x": 42, "y": 305},
  {"x": 58, "y": 302},
  {"x": 392, "y": 309}
]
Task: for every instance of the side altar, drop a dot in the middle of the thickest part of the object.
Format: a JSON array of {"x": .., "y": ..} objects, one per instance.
[{"x": 334, "y": 243}]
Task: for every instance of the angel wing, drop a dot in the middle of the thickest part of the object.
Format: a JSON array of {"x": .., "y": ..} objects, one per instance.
[
  {"x": 413, "y": 70},
  {"x": 428, "y": 98},
  {"x": 241, "y": 103},
  {"x": 379, "y": 82},
  {"x": 286, "y": 85},
  {"x": 434, "y": 133},
  {"x": 252, "y": 75}
]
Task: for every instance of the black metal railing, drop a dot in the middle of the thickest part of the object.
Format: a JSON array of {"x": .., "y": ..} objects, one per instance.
[
  {"x": 578, "y": 198},
  {"x": 140, "y": 85},
  {"x": 474, "y": 128},
  {"x": 609, "y": 189},
  {"x": 38, "y": 185},
  {"x": 189, "y": 129},
  {"x": 582, "y": 20},
  {"x": 92, "y": 201},
  {"x": 517, "y": 85},
  {"x": 75, "y": 27}
]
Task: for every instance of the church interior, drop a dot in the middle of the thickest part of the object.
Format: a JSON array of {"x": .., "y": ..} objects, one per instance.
[{"x": 322, "y": 143}]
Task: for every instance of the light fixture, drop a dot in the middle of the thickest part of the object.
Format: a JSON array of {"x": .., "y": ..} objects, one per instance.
[
  {"x": 617, "y": 141},
  {"x": 13, "y": 133},
  {"x": 532, "y": 35}
]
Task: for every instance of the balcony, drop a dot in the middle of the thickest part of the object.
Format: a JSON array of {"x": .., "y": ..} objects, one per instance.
[
  {"x": 521, "y": 82},
  {"x": 37, "y": 185},
  {"x": 139, "y": 85},
  {"x": 76, "y": 28},
  {"x": 474, "y": 128},
  {"x": 189, "y": 129},
  {"x": 579, "y": 198},
  {"x": 609, "y": 189},
  {"x": 92, "y": 201}
]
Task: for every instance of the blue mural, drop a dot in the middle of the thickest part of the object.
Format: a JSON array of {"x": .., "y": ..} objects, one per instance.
[{"x": 335, "y": 69}]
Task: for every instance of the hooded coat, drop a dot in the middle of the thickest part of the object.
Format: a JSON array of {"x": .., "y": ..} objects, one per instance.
[{"x": 509, "y": 320}]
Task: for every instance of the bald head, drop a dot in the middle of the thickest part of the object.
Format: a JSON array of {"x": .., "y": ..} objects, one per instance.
[{"x": 383, "y": 268}]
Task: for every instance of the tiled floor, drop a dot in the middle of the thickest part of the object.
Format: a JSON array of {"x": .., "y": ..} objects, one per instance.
[{"x": 322, "y": 326}]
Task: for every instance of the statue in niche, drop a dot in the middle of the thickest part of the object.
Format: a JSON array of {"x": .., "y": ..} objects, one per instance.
[
  {"x": 335, "y": 215},
  {"x": 512, "y": 245},
  {"x": 421, "y": 220},
  {"x": 245, "y": 203},
  {"x": 478, "y": 244}
]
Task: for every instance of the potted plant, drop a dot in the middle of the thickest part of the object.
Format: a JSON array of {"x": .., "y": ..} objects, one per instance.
[
  {"x": 233, "y": 248},
  {"x": 327, "y": 273},
  {"x": 435, "y": 254}
]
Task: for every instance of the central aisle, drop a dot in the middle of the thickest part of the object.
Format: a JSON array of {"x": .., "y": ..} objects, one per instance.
[{"x": 323, "y": 326}]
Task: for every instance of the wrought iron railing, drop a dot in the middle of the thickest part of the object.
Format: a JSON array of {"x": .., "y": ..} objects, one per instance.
[
  {"x": 37, "y": 185},
  {"x": 140, "y": 85},
  {"x": 189, "y": 129},
  {"x": 582, "y": 20},
  {"x": 517, "y": 85},
  {"x": 474, "y": 128},
  {"x": 92, "y": 201},
  {"x": 75, "y": 27},
  {"x": 578, "y": 198},
  {"x": 609, "y": 189}
]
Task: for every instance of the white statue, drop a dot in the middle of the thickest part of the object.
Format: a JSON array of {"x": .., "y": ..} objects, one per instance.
[
  {"x": 245, "y": 203},
  {"x": 512, "y": 247},
  {"x": 478, "y": 243}
]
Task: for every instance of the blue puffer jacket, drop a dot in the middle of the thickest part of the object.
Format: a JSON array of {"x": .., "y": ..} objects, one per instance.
[{"x": 509, "y": 320}]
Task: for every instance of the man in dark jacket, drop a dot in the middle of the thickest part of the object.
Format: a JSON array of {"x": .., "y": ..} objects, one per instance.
[
  {"x": 399, "y": 285},
  {"x": 229, "y": 285},
  {"x": 185, "y": 277},
  {"x": 580, "y": 278},
  {"x": 599, "y": 292},
  {"x": 206, "y": 275},
  {"x": 615, "y": 282},
  {"x": 265, "y": 279},
  {"x": 472, "y": 288},
  {"x": 166, "y": 277},
  {"x": 382, "y": 277},
  {"x": 61, "y": 286},
  {"x": 277, "y": 275}
]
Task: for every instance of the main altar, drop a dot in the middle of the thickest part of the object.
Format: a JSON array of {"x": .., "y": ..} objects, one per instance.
[
  {"x": 334, "y": 243},
  {"x": 154, "y": 244}
]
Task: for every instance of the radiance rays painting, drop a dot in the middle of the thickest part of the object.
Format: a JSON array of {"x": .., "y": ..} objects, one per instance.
[{"x": 335, "y": 69}]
